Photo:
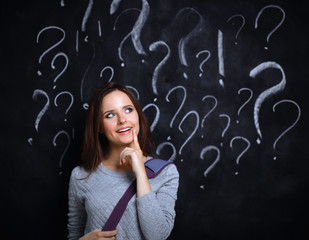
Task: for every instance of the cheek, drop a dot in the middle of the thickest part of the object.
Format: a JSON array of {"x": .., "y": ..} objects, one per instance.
[{"x": 107, "y": 127}]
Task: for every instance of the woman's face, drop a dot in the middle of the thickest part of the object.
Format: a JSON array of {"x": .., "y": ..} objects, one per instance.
[{"x": 118, "y": 119}]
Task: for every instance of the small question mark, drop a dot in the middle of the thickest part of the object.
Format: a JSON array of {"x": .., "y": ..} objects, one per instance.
[
  {"x": 205, "y": 150},
  {"x": 65, "y": 67},
  {"x": 289, "y": 128},
  {"x": 242, "y": 25},
  {"x": 152, "y": 48},
  {"x": 162, "y": 145},
  {"x": 72, "y": 101},
  {"x": 227, "y": 125},
  {"x": 204, "y": 61},
  {"x": 155, "y": 121},
  {"x": 244, "y": 151},
  {"x": 193, "y": 132},
  {"x": 45, "y": 108},
  {"x": 245, "y": 103},
  {"x": 267, "y": 93},
  {"x": 275, "y": 29},
  {"x": 211, "y": 110},
  {"x": 66, "y": 148}
]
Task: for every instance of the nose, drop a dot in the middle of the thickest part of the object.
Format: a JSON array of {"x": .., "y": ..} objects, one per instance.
[{"x": 121, "y": 119}]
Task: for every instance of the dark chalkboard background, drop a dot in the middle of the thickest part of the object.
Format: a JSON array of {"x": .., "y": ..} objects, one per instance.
[{"x": 220, "y": 82}]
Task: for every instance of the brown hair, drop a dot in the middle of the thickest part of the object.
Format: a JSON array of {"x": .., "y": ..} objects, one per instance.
[{"x": 96, "y": 145}]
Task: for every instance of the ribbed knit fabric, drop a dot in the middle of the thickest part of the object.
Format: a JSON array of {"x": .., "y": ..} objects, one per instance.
[{"x": 93, "y": 199}]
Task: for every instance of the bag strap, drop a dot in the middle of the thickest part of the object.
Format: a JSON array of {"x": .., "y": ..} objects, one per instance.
[{"x": 153, "y": 168}]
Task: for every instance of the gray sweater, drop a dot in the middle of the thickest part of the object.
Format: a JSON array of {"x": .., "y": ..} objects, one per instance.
[{"x": 92, "y": 200}]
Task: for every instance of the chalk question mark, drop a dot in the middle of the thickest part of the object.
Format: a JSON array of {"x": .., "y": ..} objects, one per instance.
[
  {"x": 204, "y": 61},
  {"x": 227, "y": 125},
  {"x": 162, "y": 145},
  {"x": 158, "y": 68},
  {"x": 66, "y": 148},
  {"x": 157, "y": 117},
  {"x": 245, "y": 103},
  {"x": 244, "y": 151},
  {"x": 267, "y": 93},
  {"x": 242, "y": 24},
  {"x": 275, "y": 29},
  {"x": 65, "y": 67},
  {"x": 71, "y": 103},
  {"x": 45, "y": 108},
  {"x": 290, "y": 127},
  {"x": 221, "y": 57}
]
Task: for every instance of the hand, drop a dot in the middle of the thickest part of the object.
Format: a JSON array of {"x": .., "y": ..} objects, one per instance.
[
  {"x": 97, "y": 234},
  {"x": 133, "y": 156}
]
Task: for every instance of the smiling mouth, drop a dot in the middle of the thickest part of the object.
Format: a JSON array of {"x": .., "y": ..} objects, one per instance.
[{"x": 124, "y": 130}]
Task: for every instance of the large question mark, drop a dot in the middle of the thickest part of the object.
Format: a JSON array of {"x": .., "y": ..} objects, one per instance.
[
  {"x": 86, "y": 15},
  {"x": 193, "y": 132},
  {"x": 183, "y": 41},
  {"x": 267, "y": 93},
  {"x": 66, "y": 148},
  {"x": 211, "y": 110},
  {"x": 157, "y": 117},
  {"x": 139, "y": 24},
  {"x": 275, "y": 29},
  {"x": 162, "y": 145},
  {"x": 244, "y": 151},
  {"x": 65, "y": 67},
  {"x": 204, "y": 61},
  {"x": 289, "y": 128},
  {"x": 70, "y": 105},
  {"x": 43, "y": 111},
  {"x": 227, "y": 125},
  {"x": 221, "y": 57},
  {"x": 182, "y": 103},
  {"x": 245, "y": 103},
  {"x": 53, "y": 46},
  {"x": 152, "y": 48},
  {"x": 242, "y": 24}
]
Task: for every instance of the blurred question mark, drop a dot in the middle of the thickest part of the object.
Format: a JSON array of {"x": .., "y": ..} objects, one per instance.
[
  {"x": 240, "y": 28},
  {"x": 112, "y": 72},
  {"x": 221, "y": 57},
  {"x": 227, "y": 125},
  {"x": 204, "y": 61},
  {"x": 275, "y": 29},
  {"x": 194, "y": 130},
  {"x": 162, "y": 145},
  {"x": 66, "y": 148},
  {"x": 43, "y": 111},
  {"x": 245, "y": 103},
  {"x": 244, "y": 151},
  {"x": 71, "y": 103},
  {"x": 158, "y": 68},
  {"x": 290, "y": 127},
  {"x": 267, "y": 93},
  {"x": 65, "y": 67},
  {"x": 86, "y": 15},
  {"x": 205, "y": 150},
  {"x": 157, "y": 117}
]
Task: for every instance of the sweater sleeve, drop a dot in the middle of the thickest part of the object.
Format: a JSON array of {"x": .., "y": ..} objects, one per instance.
[
  {"x": 156, "y": 210},
  {"x": 77, "y": 214}
]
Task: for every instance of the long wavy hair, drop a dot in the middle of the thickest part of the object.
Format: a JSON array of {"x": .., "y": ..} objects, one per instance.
[{"x": 96, "y": 145}]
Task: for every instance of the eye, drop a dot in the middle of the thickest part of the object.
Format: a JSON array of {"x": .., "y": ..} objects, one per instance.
[
  {"x": 129, "y": 110},
  {"x": 109, "y": 115}
]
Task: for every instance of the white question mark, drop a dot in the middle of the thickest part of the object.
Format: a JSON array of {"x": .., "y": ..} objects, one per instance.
[
  {"x": 71, "y": 103},
  {"x": 193, "y": 132},
  {"x": 275, "y": 29},
  {"x": 65, "y": 67},
  {"x": 211, "y": 110},
  {"x": 182, "y": 103},
  {"x": 152, "y": 48},
  {"x": 205, "y": 150},
  {"x": 86, "y": 15},
  {"x": 155, "y": 121},
  {"x": 183, "y": 41},
  {"x": 242, "y": 25},
  {"x": 43, "y": 111},
  {"x": 221, "y": 57},
  {"x": 244, "y": 151},
  {"x": 66, "y": 148},
  {"x": 267, "y": 93},
  {"x": 245, "y": 103},
  {"x": 289, "y": 128},
  {"x": 227, "y": 125},
  {"x": 204, "y": 61},
  {"x": 112, "y": 72},
  {"x": 162, "y": 145}
]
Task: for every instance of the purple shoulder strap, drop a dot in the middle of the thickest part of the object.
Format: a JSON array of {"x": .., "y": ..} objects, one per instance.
[{"x": 153, "y": 168}]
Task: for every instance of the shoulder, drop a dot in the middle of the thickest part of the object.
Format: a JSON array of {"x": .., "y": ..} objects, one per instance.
[
  {"x": 166, "y": 168},
  {"x": 78, "y": 173}
]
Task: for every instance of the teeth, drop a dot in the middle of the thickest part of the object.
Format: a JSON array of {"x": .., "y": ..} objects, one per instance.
[{"x": 124, "y": 130}]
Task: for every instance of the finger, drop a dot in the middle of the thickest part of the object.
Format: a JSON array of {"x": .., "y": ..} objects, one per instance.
[
  {"x": 135, "y": 139},
  {"x": 109, "y": 234}
]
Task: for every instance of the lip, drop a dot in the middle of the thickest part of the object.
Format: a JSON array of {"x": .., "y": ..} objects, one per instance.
[{"x": 119, "y": 131}]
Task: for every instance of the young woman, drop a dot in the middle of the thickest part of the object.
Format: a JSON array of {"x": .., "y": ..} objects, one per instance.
[{"x": 117, "y": 143}]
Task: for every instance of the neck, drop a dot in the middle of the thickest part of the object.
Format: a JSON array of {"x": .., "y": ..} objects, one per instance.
[{"x": 112, "y": 160}]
